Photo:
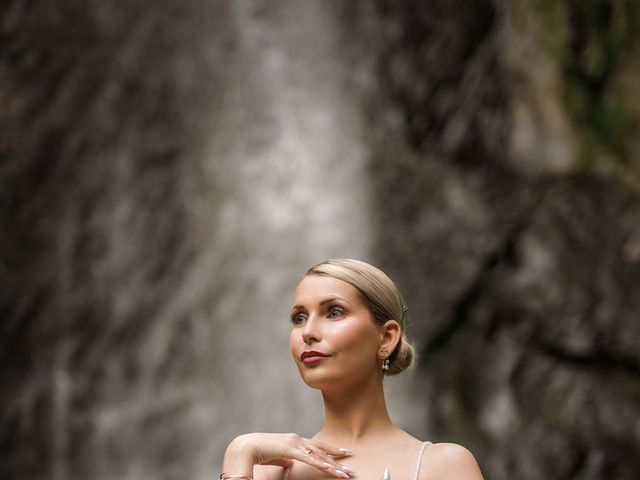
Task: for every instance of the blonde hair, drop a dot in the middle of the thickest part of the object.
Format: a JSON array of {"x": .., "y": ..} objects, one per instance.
[{"x": 379, "y": 294}]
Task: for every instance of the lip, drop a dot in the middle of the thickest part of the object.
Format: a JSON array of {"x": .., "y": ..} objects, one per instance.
[{"x": 312, "y": 357}]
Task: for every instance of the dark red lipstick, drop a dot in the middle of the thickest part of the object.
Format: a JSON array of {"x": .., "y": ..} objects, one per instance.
[{"x": 312, "y": 357}]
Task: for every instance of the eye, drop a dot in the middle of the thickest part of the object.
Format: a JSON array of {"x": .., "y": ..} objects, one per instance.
[
  {"x": 298, "y": 319},
  {"x": 335, "y": 312}
]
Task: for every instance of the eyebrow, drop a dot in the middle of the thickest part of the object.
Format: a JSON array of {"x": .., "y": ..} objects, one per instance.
[{"x": 323, "y": 302}]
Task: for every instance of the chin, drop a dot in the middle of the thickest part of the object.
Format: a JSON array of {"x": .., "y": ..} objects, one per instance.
[
  {"x": 318, "y": 384},
  {"x": 312, "y": 379},
  {"x": 319, "y": 380}
]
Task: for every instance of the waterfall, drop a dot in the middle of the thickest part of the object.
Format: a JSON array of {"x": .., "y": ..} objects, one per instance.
[
  {"x": 295, "y": 166},
  {"x": 296, "y": 161},
  {"x": 286, "y": 157}
]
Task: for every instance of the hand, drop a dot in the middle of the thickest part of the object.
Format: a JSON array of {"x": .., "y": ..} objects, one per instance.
[{"x": 281, "y": 449}]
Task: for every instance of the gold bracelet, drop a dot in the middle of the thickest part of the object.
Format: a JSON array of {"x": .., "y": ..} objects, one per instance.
[{"x": 226, "y": 476}]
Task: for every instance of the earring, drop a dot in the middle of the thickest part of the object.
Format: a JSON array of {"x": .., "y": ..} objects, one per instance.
[{"x": 385, "y": 360}]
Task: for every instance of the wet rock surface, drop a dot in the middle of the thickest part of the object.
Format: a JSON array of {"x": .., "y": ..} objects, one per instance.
[{"x": 520, "y": 272}]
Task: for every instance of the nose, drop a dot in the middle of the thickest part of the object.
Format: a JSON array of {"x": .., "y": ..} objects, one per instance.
[{"x": 310, "y": 331}]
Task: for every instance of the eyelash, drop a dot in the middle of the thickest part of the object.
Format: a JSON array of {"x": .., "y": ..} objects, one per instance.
[{"x": 297, "y": 320}]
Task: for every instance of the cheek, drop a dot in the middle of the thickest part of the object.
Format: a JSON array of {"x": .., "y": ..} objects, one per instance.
[
  {"x": 295, "y": 342},
  {"x": 356, "y": 336}
]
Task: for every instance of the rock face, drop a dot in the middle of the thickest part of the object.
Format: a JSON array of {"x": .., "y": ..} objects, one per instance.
[
  {"x": 517, "y": 241},
  {"x": 169, "y": 171}
]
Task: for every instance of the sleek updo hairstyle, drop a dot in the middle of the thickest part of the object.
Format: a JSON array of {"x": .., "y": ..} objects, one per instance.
[{"x": 379, "y": 294}]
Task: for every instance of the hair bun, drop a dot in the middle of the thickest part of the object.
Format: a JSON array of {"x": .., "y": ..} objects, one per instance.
[{"x": 403, "y": 358}]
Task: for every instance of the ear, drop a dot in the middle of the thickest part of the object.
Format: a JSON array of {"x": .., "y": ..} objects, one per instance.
[{"x": 390, "y": 334}]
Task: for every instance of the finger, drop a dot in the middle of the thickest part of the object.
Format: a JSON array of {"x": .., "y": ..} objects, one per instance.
[
  {"x": 329, "y": 460},
  {"x": 309, "y": 455},
  {"x": 333, "y": 451}
]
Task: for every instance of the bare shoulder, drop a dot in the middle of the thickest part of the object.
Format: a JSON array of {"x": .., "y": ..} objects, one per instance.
[
  {"x": 267, "y": 472},
  {"x": 449, "y": 461}
]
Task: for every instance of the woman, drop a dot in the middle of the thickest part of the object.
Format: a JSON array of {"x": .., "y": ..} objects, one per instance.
[{"x": 347, "y": 333}]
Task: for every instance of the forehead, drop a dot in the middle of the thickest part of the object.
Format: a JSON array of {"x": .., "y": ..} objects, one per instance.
[{"x": 314, "y": 288}]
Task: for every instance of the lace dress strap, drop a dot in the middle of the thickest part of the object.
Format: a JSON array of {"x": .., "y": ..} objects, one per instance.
[{"x": 419, "y": 460}]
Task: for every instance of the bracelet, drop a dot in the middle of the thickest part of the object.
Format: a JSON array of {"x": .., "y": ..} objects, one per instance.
[{"x": 226, "y": 476}]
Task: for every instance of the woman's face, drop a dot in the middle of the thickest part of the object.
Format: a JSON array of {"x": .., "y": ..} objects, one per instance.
[{"x": 333, "y": 336}]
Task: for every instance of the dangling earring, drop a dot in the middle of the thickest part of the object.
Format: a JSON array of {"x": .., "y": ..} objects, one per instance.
[
  {"x": 385, "y": 360},
  {"x": 385, "y": 365}
]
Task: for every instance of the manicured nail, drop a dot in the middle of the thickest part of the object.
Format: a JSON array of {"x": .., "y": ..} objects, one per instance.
[
  {"x": 342, "y": 467},
  {"x": 342, "y": 474},
  {"x": 386, "y": 475},
  {"x": 345, "y": 451}
]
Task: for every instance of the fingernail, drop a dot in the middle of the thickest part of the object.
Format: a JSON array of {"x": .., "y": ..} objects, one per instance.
[
  {"x": 345, "y": 451},
  {"x": 386, "y": 475},
  {"x": 342, "y": 468},
  {"x": 342, "y": 474}
]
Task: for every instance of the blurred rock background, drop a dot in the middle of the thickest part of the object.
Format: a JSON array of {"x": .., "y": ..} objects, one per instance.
[{"x": 170, "y": 169}]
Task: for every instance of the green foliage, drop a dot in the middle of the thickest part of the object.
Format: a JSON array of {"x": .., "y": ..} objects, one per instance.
[
  {"x": 589, "y": 37},
  {"x": 611, "y": 123}
]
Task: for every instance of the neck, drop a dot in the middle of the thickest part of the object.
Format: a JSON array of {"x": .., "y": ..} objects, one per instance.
[{"x": 355, "y": 412}]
